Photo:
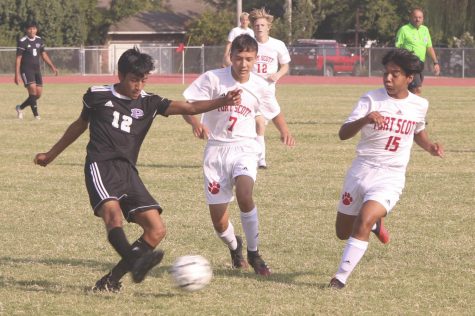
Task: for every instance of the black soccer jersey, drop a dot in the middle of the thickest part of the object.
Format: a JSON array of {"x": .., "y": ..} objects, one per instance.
[
  {"x": 118, "y": 124},
  {"x": 30, "y": 50}
]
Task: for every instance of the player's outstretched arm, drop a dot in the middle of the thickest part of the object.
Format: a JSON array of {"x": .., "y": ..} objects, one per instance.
[
  {"x": 199, "y": 130},
  {"x": 435, "y": 149},
  {"x": 348, "y": 130},
  {"x": 72, "y": 133},
  {"x": 281, "y": 125},
  {"x": 198, "y": 107}
]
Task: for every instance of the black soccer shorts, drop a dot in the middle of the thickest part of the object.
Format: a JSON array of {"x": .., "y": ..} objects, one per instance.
[
  {"x": 118, "y": 180},
  {"x": 30, "y": 76}
]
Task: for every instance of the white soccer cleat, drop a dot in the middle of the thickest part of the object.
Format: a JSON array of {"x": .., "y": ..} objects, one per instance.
[{"x": 19, "y": 112}]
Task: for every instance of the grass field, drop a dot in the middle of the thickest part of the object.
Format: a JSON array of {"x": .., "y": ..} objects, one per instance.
[{"x": 53, "y": 249}]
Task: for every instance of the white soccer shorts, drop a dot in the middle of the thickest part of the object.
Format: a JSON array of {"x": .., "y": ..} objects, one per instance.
[
  {"x": 223, "y": 163},
  {"x": 364, "y": 183}
]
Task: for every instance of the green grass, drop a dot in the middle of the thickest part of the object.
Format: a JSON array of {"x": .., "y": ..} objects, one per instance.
[{"x": 53, "y": 248}]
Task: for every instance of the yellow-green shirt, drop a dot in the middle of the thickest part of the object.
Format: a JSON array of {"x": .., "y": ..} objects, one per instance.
[{"x": 414, "y": 40}]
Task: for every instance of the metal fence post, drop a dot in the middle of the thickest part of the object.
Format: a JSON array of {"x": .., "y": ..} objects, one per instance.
[
  {"x": 463, "y": 62},
  {"x": 202, "y": 58},
  {"x": 369, "y": 62},
  {"x": 82, "y": 60}
]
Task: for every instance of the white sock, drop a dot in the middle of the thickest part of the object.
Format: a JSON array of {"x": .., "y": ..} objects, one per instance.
[
  {"x": 352, "y": 254},
  {"x": 260, "y": 139},
  {"x": 250, "y": 225},
  {"x": 228, "y": 237}
]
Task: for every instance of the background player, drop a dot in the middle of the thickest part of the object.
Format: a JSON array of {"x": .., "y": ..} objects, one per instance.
[
  {"x": 389, "y": 119},
  {"x": 119, "y": 117},
  {"x": 415, "y": 37},
  {"x": 231, "y": 154},
  {"x": 272, "y": 64},
  {"x": 27, "y": 66},
  {"x": 238, "y": 30}
]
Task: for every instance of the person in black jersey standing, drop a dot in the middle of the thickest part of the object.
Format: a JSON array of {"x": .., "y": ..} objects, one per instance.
[
  {"x": 30, "y": 49},
  {"x": 119, "y": 117}
]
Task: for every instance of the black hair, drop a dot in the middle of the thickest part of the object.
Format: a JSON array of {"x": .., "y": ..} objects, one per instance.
[
  {"x": 408, "y": 62},
  {"x": 135, "y": 62},
  {"x": 30, "y": 24},
  {"x": 244, "y": 43}
]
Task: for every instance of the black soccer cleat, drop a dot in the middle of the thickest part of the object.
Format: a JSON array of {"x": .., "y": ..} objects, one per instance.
[
  {"x": 106, "y": 284},
  {"x": 145, "y": 263},
  {"x": 237, "y": 259},
  {"x": 256, "y": 262},
  {"x": 336, "y": 284}
]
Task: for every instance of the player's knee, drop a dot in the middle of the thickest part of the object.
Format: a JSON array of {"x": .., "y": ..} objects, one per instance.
[{"x": 155, "y": 235}]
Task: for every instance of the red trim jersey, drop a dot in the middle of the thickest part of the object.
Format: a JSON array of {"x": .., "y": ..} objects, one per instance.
[
  {"x": 232, "y": 123},
  {"x": 270, "y": 55},
  {"x": 390, "y": 145}
]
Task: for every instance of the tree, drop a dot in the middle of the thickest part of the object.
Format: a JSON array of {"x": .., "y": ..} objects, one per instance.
[{"x": 211, "y": 28}]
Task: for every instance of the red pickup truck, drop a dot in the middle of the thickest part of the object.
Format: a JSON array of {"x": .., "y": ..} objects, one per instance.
[{"x": 324, "y": 57}]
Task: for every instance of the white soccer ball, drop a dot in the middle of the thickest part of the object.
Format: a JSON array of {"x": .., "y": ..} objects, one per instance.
[{"x": 191, "y": 273}]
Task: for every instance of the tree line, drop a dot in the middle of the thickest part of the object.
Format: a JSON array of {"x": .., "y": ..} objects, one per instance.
[{"x": 80, "y": 22}]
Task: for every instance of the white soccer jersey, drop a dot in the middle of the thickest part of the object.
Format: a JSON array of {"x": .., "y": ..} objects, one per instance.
[
  {"x": 235, "y": 32},
  {"x": 270, "y": 55},
  {"x": 389, "y": 146},
  {"x": 232, "y": 123}
]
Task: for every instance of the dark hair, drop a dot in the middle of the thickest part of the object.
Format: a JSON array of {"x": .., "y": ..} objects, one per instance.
[
  {"x": 408, "y": 62},
  {"x": 135, "y": 62},
  {"x": 30, "y": 24},
  {"x": 244, "y": 43}
]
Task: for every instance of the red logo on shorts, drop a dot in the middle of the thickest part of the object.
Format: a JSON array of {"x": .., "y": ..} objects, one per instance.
[
  {"x": 213, "y": 187},
  {"x": 346, "y": 198}
]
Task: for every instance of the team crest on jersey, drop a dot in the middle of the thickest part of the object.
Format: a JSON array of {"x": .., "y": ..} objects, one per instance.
[
  {"x": 136, "y": 113},
  {"x": 38, "y": 45}
]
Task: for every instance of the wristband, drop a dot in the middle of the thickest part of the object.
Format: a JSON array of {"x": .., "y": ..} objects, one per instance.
[{"x": 436, "y": 63}]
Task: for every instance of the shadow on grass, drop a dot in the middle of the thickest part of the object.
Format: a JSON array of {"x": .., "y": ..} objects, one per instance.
[
  {"x": 57, "y": 261},
  {"x": 141, "y": 165},
  {"x": 276, "y": 277}
]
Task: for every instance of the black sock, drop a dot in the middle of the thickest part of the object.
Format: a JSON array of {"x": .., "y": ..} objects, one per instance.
[
  {"x": 138, "y": 248},
  {"x": 34, "y": 105},
  {"x": 26, "y": 103},
  {"x": 120, "y": 243}
]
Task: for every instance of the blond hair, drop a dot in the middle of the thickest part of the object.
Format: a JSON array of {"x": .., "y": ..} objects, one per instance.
[
  {"x": 244, "y": 15},
  {"x": 260, "y": 14}
]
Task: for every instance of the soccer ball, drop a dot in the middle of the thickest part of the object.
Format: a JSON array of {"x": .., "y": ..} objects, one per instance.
[{"x": 191, "y": 273}]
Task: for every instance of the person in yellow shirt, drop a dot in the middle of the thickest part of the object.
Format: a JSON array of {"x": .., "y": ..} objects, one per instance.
[{"x": 415, "y": 37}]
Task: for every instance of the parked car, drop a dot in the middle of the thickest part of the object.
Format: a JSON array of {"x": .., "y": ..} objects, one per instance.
[{"x": 324, "y": 57}]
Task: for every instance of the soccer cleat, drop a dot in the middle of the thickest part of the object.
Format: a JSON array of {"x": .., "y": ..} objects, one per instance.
[
  {"x": 145, "y": 263},
  {"x": 336, "y": 284},
  {"x": 106, "y": 284},
  {"x": 259, "y": 265},
  {"x": 19, "y": 112},
  {"x": 381, "y": 232},
  {"x": 262, "y": 164},
  {"x": 237, "y": 259},
  {"x": 38, "y": 117}
]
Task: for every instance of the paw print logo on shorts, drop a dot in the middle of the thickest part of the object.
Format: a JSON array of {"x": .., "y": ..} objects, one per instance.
[
  {"x": 347, "y": 199},
  {"x": 213, "y": 187}
]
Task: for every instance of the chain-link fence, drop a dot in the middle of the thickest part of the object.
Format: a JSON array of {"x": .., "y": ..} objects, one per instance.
[{"x": 306, "y": 60}]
